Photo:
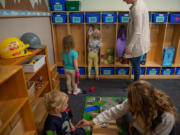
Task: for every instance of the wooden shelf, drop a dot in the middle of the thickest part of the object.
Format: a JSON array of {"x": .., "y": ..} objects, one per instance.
[
  {"x": 29, "y": 76},
  {"x": 7, "y": 71},
  {"x": 106, "y": 65},
  {"x": 9, "y": 108},
  {"x": 39, "y": 92},
  {"x": 19, "y": 60},
  {"x": 30, "y": 132}
]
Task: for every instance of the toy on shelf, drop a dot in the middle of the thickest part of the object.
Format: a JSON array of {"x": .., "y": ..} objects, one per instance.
[
  {"x": 32, "y": 61},
  {"x": 109, "y": 56}
]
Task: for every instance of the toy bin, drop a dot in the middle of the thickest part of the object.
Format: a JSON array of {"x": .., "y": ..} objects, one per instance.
[
  {"x": 142, "y": 71},
  {"x": 76, "y": 18},
  {"x": 177, "y": 71},
  {"x": 93, "y": 17},
  {"x": 167, "y": 71},
  {"x": 60, "y": 70},
  {"x": 174, "y": 18},
  {"x": 159, "y": 17},
  {"x": 108, "y": 17},
  {"x": 72, "y": 5},
  {"x": 33, "y": 64},
  {"x": 58, "y": 6},
  {"x": 82, "y": 70},
  {"x": 168, "y": 55},
  {"x": 59, "y": 18},
  {"x": 153, "y": 70},
  {"x": 123, "y": 17},
  {"x": 107, "y": 70},
  {"x": 122, "y": 71}
]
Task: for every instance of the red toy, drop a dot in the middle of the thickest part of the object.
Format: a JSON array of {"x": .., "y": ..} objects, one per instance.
[{"x": 92, "y": 89}]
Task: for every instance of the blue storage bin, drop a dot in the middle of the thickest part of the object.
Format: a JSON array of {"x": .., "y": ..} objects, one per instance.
[
  {"x": 93, "y": 18},
  {"x": 59, "y": 18},
  {"x": 174, "y": 18},
  {"x": 122, "y": 71},
  {"x": 153, "y": 70},
  {"x": 52, "y": 1},
  {"x": 177, "y": 71},
  {"x": 76, "y": 18},
  {"x": 108, "y": 17},
  {"x": 107, "y": 70},
  {"x": 58, "y": 6},
  {"x": 142, "y": 71},
  {"x": 168, "y": 55},
  {"x": 60, "y": 70},
  {"x": 159, "y": 17},
  {"x": 93, "y": 71},
  {"x": 123, "y": 17},
  {"x": 150, "y": 15},
  {"x": 82, "y": 70},
  {"x": 167, "y": 71}
]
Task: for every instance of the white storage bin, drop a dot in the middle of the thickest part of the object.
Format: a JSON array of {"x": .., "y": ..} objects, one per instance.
[{"x": 40, "y": 60}]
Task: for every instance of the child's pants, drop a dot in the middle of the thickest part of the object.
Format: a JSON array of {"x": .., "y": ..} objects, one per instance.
[
  {"x": 78, "y": 131},
  {"x": 70, "y": 78},
  {"x": 93, "y": 57}
]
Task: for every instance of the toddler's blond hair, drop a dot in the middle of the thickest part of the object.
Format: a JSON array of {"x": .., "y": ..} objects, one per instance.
[
  {"x": 96, "y": 34},
  {"x": 55, "y": 100}
]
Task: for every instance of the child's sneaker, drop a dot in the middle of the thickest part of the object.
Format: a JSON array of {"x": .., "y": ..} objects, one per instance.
[
  {"x": 97, "y": 77},
  {"x": 78, "y": 91},
  {"x": 69, "y": 92},
  {"x": 89, "y": 76}
]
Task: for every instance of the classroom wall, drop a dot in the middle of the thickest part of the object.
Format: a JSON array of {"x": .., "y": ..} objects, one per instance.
[
  {"x": 41, "y": 25},
  {"x": 15, "y": 27},
  {"x": 153, "y": 5}
]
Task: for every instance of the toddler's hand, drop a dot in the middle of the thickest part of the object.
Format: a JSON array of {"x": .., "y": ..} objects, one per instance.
[{"x": 73, "y": 128}]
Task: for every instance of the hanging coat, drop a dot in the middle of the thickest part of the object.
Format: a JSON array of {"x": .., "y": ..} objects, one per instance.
[{"x": 121, "y": 42}]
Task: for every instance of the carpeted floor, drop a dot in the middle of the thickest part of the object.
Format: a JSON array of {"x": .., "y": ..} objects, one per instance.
[{"x": 116, "y": 87}]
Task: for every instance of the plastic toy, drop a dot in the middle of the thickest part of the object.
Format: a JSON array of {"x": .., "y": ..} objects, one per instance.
[
  {"x": 92, "y": 89},
  {"x": 69, "y": 113},
  {"x": 50, "y": 132},
  {"x": 32, "y": 61},
  {"x": 77, "y": 77},
  {"x": 92, "y": 108}
]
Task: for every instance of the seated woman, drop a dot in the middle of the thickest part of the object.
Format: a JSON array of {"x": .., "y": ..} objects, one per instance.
[{"x": 152, "y": 110}]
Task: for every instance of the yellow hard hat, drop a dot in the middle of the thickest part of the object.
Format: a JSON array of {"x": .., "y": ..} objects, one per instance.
[{"x": 12, "y": 47}]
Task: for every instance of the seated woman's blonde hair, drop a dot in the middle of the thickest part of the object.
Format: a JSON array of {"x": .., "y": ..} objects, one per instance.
[
  {"x": 54, "y": 100},
  {"x": 145, "y": 100}
]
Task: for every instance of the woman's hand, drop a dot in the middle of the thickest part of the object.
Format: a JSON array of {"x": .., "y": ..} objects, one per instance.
[{"x": 83, "y": 122}]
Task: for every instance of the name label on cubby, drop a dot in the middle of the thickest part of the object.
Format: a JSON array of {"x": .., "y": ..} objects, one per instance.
[
  {"x": 121, "y": 72},
  {"x": 167, "y": 72},
  {"x": 125, "y": 19},
  {"x": 76, "y": 19},
  {"x": 92, "y": 19},
  {"x": 109, "y": 19},
  {"x": 58, "y": 7},
  {"x": 153, "y": 72},
  {"x": 59, "y": 19},
  {"x": 107, "y": 72},
  {"x": 160, "y": 19}
]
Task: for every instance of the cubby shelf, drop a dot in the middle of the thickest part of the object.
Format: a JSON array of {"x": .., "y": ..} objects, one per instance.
[{"x": 161, "y": 35}]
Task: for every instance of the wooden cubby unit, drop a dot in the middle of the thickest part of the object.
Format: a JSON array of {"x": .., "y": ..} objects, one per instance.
[
  {"x": 18, "y": 88},
  {"x": 14, "y": 101},
  {"x": 161, "y": 35}
]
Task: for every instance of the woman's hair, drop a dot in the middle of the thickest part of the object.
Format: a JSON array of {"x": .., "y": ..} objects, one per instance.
[
  {"x": 54, "y": 100},
  {"x": 145, "y": 101},
  {"x": 96, "y": 34},
  {"x": 68, "y": 43}
]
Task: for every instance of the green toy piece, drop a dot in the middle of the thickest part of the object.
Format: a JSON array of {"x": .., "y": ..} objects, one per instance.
[{"x": 50, "y": 132}]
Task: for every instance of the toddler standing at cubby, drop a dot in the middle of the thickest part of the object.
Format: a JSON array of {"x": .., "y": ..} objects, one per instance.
[
  {"x": 94, "y": 45},
  {"x": 70, "y": 63}
]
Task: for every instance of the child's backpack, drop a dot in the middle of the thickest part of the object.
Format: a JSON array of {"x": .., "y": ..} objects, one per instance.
[
  {"x": 121, "y": 42},
  {"x": 168, "y": 55}
]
